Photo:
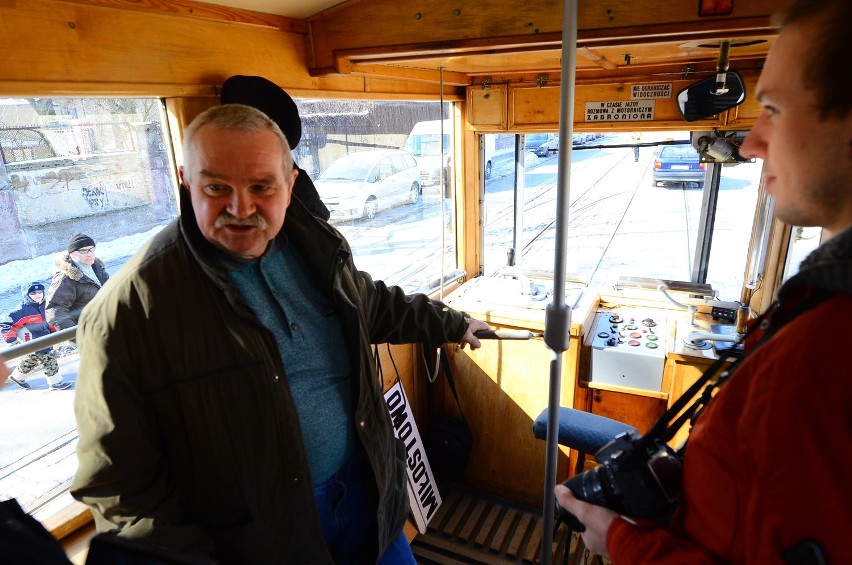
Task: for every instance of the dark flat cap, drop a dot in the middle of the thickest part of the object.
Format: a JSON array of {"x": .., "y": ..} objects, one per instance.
[{"x": 267, "y": 97}]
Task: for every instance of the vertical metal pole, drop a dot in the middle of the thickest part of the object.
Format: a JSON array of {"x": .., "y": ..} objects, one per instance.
[
  {"x": 558, "y": 315},
  {"x": 520, "y": 199},
  {"x": 704, "y": 239},
  {"x": 445, "y": 189}
]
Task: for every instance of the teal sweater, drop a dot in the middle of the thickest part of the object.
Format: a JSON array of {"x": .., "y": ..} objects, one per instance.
[{"x": 282, "y": 293}]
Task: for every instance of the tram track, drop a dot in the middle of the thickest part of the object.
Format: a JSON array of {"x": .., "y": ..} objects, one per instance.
[{"x": 603, "y": 197}]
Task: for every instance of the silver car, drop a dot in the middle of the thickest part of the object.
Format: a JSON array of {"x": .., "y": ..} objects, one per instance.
[{"x": 360, "y": 184}]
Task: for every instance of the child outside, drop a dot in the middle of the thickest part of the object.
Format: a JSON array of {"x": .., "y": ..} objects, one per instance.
[{"x": 28, "y": 322}]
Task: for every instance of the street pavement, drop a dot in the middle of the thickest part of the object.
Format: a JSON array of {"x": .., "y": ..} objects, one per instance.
[{"x": 37, "y": 459}]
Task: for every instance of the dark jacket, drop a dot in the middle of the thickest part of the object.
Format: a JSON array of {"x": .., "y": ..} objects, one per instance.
[
  {"x": 26, "y": 322},
  {"x": 305, "y": 190},
  {"x": 70, "y": 290},
  {"x": 189, "y": 437}
]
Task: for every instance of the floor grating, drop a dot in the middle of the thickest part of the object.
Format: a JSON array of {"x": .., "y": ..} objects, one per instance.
[{"x": 472, "y": 528}]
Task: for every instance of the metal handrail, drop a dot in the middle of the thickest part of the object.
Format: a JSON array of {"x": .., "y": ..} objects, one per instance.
[{"x": 38, "y": 343}]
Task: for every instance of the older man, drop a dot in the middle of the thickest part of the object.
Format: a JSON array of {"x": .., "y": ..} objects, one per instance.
[
  {"x": 766, "y": 470},
  {"x": 78, "y": 274},
  {"x": 227, "y": 398}
]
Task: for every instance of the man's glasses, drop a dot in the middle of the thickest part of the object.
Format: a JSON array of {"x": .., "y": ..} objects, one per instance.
[
  {"x": 86, "y": 251},
  {"x": 36, "y": 292}
]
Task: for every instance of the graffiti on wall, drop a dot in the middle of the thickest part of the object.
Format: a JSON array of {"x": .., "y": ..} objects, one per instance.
[{"x": 69, "y": 191}]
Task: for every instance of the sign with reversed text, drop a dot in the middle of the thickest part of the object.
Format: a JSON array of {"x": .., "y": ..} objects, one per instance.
[{"x": 423, "y": 494}]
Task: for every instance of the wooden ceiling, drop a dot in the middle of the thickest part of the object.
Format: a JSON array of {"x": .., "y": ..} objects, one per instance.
[{"x": 520, "y": 40}]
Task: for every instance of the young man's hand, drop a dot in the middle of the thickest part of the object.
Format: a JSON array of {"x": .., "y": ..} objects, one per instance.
[{"x": 597, "y": 519}]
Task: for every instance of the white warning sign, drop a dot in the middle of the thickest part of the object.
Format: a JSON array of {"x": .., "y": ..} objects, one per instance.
[
  {"x": 645, "y": 91},
  {"x": 620, "y": 111}
]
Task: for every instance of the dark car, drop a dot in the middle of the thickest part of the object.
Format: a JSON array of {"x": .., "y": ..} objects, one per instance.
[{"x": 678, "y": 164}]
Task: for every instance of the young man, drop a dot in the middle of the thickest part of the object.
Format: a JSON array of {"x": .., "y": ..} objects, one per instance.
[
  {"x": 77, "y": 276},
  {"x": 227, "y": 398},
  {"x": 766, "y": 469},
  {"x": 28, "y": 322}
]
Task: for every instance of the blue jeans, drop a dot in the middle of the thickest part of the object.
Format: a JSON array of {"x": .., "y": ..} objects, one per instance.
[{"x": 346, "y": 520}]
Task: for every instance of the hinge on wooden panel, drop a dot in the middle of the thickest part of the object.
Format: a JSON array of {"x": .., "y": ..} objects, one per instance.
[
  {"x": 541, "y": 80},
  {"x": 686, "y": 71}
]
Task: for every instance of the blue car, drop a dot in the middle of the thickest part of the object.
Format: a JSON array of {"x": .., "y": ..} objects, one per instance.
[{"x": 678, "y": 164}]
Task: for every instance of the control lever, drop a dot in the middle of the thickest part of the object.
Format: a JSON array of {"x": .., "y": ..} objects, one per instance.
[
  {"x": 664, "y": 288},
  {"x": 506, "y": 334}
]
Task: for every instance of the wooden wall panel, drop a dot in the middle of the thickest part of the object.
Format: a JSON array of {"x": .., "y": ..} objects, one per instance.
[
  {"x": 60, "y": 48},
  {"x": 533, "y": 108},
  {"x": 503, "y": 387},
  {"x": 488, "y": 107}
]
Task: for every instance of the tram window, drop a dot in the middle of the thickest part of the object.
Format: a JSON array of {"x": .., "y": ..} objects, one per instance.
[
  {"x": 620, "y": 223},
  {"x": 99, "y": 166},
  {"x": 803, "y": 240},
  {"x": 397, "y": 224}
]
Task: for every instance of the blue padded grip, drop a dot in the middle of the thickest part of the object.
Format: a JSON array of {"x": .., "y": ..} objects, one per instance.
[{"x": 583, "y": 431}]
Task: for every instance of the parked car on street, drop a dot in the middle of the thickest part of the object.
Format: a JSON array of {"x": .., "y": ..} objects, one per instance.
[
  {"x": 677, "y": 164},
  {"x": 550, "y": 145},
  {"x": 532, "y": 141},
  {"x": 361, "y": 184}
]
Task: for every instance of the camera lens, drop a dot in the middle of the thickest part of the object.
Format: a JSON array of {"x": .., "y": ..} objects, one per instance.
[{"x": 588, "y": 486}]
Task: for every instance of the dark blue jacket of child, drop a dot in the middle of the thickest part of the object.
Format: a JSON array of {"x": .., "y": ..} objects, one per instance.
[{"x": 28, "y": 321}]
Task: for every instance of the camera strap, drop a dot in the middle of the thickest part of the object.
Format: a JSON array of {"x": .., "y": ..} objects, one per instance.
[{"x": 716, "y": 375}]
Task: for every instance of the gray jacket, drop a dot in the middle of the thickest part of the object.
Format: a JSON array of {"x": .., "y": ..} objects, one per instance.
[{"x": 189, "y": 437}]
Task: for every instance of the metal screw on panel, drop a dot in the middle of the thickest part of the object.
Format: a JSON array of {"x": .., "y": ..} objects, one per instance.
[
  {"x": 456, "y": 12},
  {"x": 417, "y": 16},
  {"x": 72, "y": 25}
]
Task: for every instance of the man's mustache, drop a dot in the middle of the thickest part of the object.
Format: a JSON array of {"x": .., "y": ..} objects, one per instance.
[{"x": 255, "y": 220}]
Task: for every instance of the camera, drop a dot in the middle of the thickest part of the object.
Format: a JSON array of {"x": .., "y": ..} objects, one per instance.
[{"x": 637, "y": 476}]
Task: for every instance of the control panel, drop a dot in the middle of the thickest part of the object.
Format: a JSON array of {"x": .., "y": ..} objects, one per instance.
[{"x": 629, "y": 349}]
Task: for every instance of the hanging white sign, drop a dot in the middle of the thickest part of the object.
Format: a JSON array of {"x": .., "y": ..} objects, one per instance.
[
  {"x": 423, "y": 494},
  {"x": 620, "y": 111}
]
